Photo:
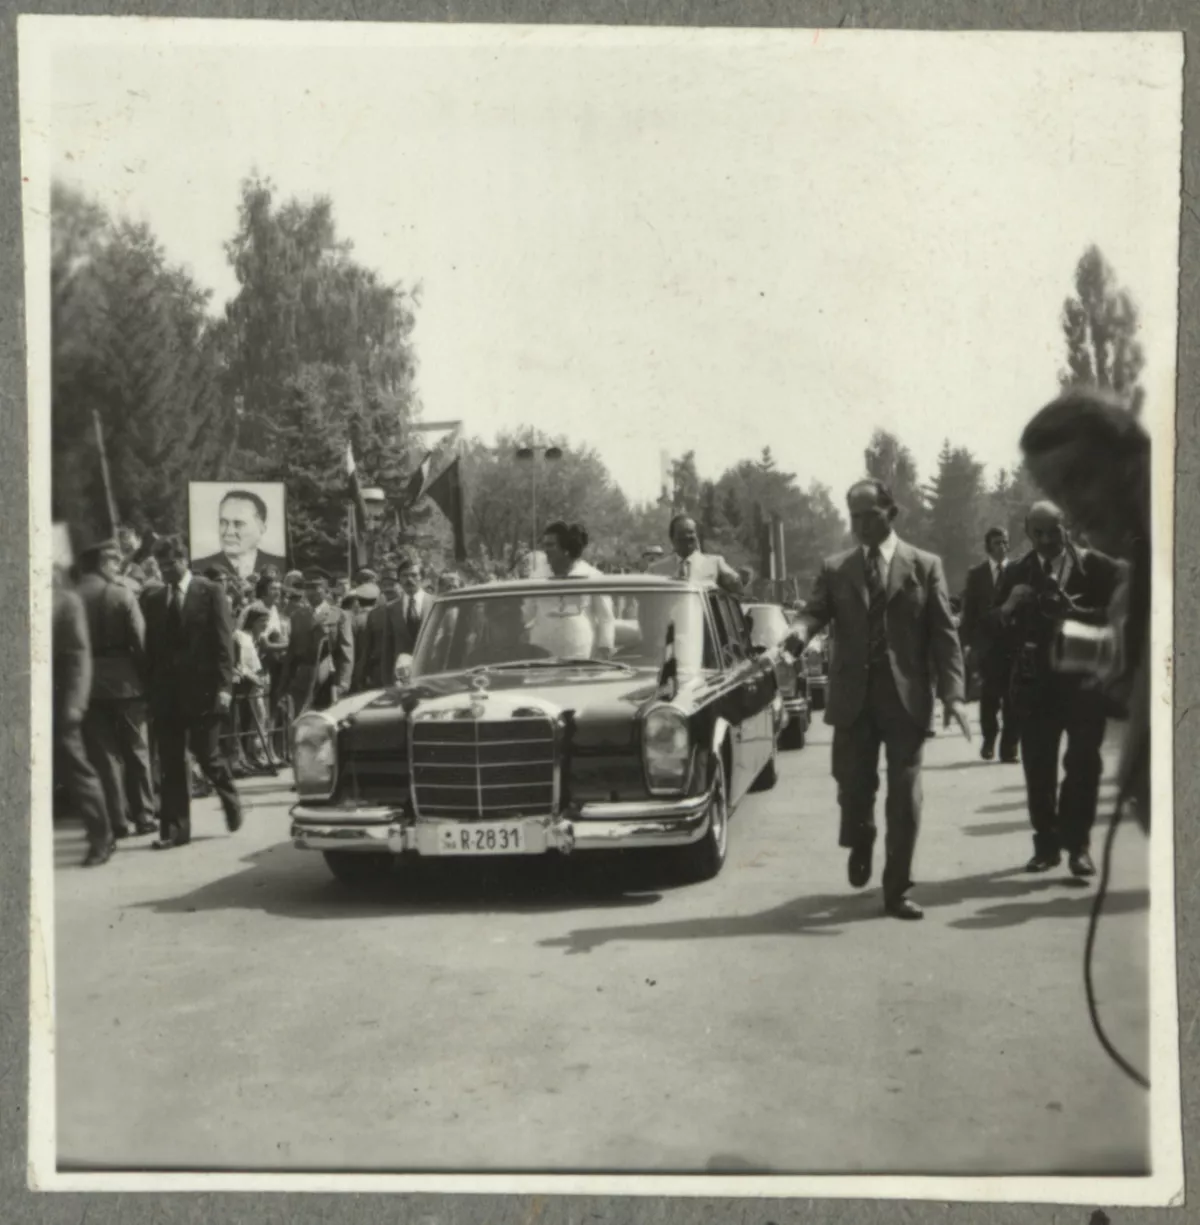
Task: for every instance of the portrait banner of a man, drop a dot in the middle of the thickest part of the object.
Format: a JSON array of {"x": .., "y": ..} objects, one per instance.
[{"x": 237, "y": 526}]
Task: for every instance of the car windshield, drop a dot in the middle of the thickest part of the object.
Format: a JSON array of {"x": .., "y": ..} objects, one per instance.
[
  {"x": 768, "y": 625},
  {"x": 593, "y": 626}
]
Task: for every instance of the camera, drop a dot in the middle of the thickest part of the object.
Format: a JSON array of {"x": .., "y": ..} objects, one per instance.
[{"x": 1087, "y": 650}]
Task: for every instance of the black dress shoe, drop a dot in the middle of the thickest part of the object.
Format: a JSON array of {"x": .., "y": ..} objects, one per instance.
[
  {"x": 121, "y": 834},
  {"x": 146, "y": 827},
  {"x": 859, "y": 867},
  {"x": 98, "y": 855},
  {"x": 233, "y": 819},
  {"x": 988, "y": 750},
  {"x": 1081, "y": 865},
  {"x": 168, "y": 844},
  {"x": 1009, "y": 759},
  {"x": 904, "y": 909},
  {"x": 1043, "y": 863}
]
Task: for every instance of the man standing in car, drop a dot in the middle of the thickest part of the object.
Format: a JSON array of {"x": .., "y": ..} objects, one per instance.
[
  {"x": 889, "y": 604},
  {"x": 688, "y": 562}
]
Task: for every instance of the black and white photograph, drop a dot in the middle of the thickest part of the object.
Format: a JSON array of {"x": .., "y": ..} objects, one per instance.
[
  {"x": 238, "y": 527},
  {"x": 602, "y": 609}
]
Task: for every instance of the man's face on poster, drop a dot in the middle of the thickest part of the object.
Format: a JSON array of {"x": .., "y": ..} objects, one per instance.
[{"x": 241, "y": 527}]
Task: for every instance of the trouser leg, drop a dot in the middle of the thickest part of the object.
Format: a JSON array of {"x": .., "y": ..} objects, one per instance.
[
  {"x": 203, "y": 738},
  {"x": 904, "y": 743},
  {"x": 176, "y": 811},
  {"x": 1041, "y": 736},
  {"x": 82, "y": 785},
  {"x": 855, "y": 762},
  {"x": 102, "y": 739},
  {"x": 1082, "y": 767},
  {"x": 135, "y": 746}
]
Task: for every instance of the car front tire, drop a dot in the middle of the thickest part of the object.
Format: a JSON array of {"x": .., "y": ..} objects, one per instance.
[
  {"x": 360, "y": 869},
  {"x": 704, "y": 859}
]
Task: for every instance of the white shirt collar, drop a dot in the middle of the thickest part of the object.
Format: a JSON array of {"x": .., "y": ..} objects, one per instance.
[
  {"x": 184, "y": 583},
  {"x": 887, "y": 548}
]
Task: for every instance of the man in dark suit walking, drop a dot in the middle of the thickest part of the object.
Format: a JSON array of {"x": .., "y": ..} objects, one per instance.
[
  {"x": 988, "y": 649},
  {"x": 1055, "y": 581},
  {"x": 895, "y": 641},
  {"x": 190, "y": 665}
]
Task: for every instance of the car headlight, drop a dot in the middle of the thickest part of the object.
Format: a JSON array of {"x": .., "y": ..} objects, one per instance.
[
  {"x": 666, "y": 750},
  {"x": 314, "y": 757}
]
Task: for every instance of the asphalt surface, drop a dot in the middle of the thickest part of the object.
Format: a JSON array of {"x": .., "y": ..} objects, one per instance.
[{"x": 230, "y": 1006}]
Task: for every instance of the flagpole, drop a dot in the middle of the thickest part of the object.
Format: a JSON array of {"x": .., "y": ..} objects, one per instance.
[
  {"x": 349, "y": 543},
  {"x": 104, "y": 474}
]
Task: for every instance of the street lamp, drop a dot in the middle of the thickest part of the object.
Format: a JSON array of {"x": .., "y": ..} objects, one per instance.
[{"x": 529, "y": 455}]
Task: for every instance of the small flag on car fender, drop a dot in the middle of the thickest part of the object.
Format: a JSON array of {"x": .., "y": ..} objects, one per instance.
[{"x": 668, "y": 684}]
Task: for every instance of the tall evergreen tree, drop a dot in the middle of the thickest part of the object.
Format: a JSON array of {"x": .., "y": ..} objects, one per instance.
[
  {"x": 1100, "y": 326},
  {"x": 956, "y": 510},
  {"x": 888, "y": 460}
]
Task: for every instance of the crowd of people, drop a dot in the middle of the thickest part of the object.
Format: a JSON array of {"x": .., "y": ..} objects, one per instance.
[{"x": 171, "y": 683}]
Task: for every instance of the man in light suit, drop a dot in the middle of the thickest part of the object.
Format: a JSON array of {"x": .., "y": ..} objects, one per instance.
[
  {"x": 988, "y": 649},
  {"x": 392, "y": 628},
  {"x": 688, "y": 562},
  {"x": 895, "y": 638}
]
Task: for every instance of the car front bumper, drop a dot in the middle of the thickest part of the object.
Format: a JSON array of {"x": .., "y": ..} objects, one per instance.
[{"x": 591, "y": 827}]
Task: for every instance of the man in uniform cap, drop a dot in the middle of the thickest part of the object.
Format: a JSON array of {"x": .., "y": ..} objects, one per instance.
[
  {"x": 319, "y": 664},
  {"x": 115, "y": 727}
]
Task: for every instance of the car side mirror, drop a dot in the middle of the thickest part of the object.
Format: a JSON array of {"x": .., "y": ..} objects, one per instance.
[{"x": 402, "y": 673}]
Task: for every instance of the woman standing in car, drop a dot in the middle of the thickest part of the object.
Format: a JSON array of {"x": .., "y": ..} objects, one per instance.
[{"x": 570, "y": 626}]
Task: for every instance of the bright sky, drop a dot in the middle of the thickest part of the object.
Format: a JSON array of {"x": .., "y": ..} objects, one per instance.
[{"x": 679, "y": 239}]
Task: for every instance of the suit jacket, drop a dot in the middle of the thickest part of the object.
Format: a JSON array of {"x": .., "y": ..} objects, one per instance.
[
  {"x": 72, "y": 670},
  {"x": 923, "y": 646},
  {"x": 387, "y": 636},
  {"x": 1091, "y": 581},
  {"x": 978, "y": 631},
  {"x": 702, "y": 568},
  {"x": 186, "y": 670},
  {"x": 321, "y": 643},
  {"x": 261, "y": 562},
  {"x": 117, "y": 630}
]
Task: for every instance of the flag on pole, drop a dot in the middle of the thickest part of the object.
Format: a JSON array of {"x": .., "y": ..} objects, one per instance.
[
  {"x": 358, "y": 513},
  {"x": 446, "y": 492},
  {"x": 418, "y": 483}
]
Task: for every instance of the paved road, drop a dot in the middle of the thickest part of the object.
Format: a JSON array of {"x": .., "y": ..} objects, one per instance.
[{"x": 231, "y": 1006}]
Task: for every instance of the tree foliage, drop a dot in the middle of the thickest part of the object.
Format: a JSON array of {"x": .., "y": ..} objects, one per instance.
[
  {"x": 955, "y": 512},
  {"x": 1100, "y": 326},
  {"x": 132, "y": 343},
  {"x": 319, "y": 354}
]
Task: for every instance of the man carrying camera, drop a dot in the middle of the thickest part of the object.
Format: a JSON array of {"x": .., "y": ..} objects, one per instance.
[{"x": 1051, "y": 586}]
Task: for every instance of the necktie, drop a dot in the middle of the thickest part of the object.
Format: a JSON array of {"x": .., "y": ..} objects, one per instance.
[
  {"x": 1049, "y": 566},
  {"x": 412, "y": 617},
  {"x": 685, "y": 565},
  {"x": 874, "y": 577}
]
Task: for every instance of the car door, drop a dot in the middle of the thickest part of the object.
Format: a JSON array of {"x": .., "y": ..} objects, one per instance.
[
  {"x": 761, "y": 687},
  {"x": 734, "y": 704}
]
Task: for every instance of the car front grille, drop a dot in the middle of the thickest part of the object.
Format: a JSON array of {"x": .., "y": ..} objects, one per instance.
[{"x": 476, "y": 768}]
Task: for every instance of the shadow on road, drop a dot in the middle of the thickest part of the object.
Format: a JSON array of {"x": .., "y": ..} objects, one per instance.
[
  {"x": 1009, "y": 914},
  {"x": 826, "y": 913},
  {"x": 959, "y": 765},
  {"x": 1015, "y": 806},
  {"x": 280, "y": 881},
  {"x": 990, "y": 828}
]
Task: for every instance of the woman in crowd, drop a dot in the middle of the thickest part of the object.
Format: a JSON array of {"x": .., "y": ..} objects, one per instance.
[
  {"x": 570, "y": 626},
  {"x": 251, "y": 683}
]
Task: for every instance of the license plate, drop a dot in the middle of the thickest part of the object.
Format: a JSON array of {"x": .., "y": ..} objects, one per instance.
[{"x": 497, "y": 839}]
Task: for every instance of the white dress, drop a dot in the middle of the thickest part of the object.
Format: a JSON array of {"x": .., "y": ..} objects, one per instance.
[{"x": 571, "y": 625}]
